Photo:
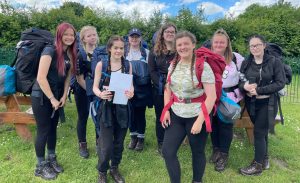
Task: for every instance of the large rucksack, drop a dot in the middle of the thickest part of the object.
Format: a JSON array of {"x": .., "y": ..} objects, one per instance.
[
  {"x": 99, "y": 54},
  {"x": 276, "y": 51},
  {"x": 28, "y": 53},
  {"x": 217, "y": 64}
]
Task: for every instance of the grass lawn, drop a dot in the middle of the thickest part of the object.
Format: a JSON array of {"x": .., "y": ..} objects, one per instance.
[{"x": 17, "y": 158}]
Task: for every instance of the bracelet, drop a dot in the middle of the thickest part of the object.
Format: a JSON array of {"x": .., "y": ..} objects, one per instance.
[{"x": 50, "y": 98}]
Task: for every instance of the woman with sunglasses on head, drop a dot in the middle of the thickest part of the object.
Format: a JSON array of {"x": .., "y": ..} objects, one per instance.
[
  {"x": 159, "y": 61},
  {"x": 138, "y": 57},
  {"x": 186, "y": 118},
  {"x": 49, "y": 93},
  {"x": 262, "y": 75},
  {"x": 222, "y": 133}
]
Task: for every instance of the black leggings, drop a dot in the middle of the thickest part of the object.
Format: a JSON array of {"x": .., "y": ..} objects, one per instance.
[
  {"x": 82, "y": 106},
  {"x": 111, "y": 145},
  {"x": 261, "y": 127},
  {"x": 138, "y": 124},
  {"x": 158, "y": 106},
  {"x": 221, "y": 135},
  {"x": 174, "y": 135},
  {"x": 46, "y": 126}
]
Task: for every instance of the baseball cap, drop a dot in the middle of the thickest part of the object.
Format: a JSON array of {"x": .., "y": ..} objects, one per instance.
[{"x": 135, "y": 31}]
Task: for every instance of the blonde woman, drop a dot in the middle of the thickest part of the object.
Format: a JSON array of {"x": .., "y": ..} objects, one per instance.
[
  {"x": 222, "y": 133},
  {"x": 83, "y": 94}
]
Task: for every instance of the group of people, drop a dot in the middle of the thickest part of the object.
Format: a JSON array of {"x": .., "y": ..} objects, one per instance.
[{"x": 172, "y": 58}]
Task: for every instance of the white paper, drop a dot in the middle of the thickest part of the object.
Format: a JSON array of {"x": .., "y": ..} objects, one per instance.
[
  {"x": 119, "y": 83},
  {"x": 120, "y": 98}
]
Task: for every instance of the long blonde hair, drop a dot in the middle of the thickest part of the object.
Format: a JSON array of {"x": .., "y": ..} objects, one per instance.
[
  {"x": 83, "y": 31},
  {"x": 228, "y": 51}
]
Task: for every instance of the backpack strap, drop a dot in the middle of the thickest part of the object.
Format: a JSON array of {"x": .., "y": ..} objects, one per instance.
[
  {"x": 200, "y": 99},
  {"x": 235, "y": 61},
  {"x": 127, "y": 66},
  {"x": 280, "y": 109}
]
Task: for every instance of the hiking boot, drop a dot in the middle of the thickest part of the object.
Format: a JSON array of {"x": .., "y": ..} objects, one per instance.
[
  {"x": 83, "y": 151},
  {"x": 133, "y": 142},
  {"x": 115, "y": 174},
  {"x": 254, "y": 168},
  {"x": 266, "y": 163},
  {"x": 214, "y": 156},
  {"x": 53, "y": 163},
  {"x": 44, "y": 171},
  {"x": 102, "y": 178},
  {"x": 221, "y": 162},
  {"x": 140, "y": 144}
]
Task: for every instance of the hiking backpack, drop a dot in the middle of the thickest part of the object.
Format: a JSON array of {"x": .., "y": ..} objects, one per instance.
[
  {"x": 217, "y": 64},
  {"x": 276, "y": 51},
  {"x": 28, "y": 53}
]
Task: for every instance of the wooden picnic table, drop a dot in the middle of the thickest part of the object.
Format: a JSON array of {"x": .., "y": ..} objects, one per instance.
[
  {"x": 246, "y": 123},
  {"x": 14, "y": 115}
]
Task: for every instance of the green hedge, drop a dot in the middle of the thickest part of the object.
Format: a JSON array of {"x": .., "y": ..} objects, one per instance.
[
  {"x": 294, "y": 62},
  {"x": 7, "y": 56}
]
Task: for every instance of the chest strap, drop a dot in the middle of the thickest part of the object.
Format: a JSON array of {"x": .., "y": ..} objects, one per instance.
[{"x": 200, "y": 99}]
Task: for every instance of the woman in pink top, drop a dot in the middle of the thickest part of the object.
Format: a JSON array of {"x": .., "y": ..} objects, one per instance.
[{"x": 222, "y": 133}]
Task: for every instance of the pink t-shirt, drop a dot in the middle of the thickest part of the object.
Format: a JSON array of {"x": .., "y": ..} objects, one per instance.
[{"x": 230, "y": 77}]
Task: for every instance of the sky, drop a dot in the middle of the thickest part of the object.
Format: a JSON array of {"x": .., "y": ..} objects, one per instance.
[{"x": 213, "y": 9}]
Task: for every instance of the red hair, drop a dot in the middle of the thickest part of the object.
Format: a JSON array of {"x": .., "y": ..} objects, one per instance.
[{"x": 60, "y": 30}]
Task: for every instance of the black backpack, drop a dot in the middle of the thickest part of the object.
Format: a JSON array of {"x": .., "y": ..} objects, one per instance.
[
  {"x": 275, "y": 50},
  {"x": 28, "y": 53}
]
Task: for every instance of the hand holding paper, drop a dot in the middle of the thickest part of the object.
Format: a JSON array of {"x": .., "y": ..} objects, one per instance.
[{"x": 121, "y": 84}]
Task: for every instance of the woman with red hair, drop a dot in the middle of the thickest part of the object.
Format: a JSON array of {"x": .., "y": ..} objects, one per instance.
[{"x": 49, "y": 93}]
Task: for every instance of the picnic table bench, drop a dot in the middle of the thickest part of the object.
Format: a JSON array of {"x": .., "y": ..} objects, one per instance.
[{"x": 16, "y": 116}]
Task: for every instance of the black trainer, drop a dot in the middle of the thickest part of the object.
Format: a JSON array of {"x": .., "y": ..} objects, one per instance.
[
  {"x": 254, "y": 168},
  {"x": 221, "y": 162},
  {"x": 214, "y": 156},
  {"x": 140, "y": 144},
  {"x": 44, "y": 171},
  {"x": 53, "y": 163},
  {"x": 83, "y": 151},
  {"x": 102, "y": 178},
  {"x": 116, "y": 175},
  {"x": 132, "y": 142}
]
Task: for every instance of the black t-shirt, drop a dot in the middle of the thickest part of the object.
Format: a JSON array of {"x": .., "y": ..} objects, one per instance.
[{"x": 55, "y": 80}]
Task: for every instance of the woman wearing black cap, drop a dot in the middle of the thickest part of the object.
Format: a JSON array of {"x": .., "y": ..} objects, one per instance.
[{"x": 137, "y": 55}]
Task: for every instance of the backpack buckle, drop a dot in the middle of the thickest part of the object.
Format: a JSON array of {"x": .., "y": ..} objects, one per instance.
[{"x": 187, "y": 100}]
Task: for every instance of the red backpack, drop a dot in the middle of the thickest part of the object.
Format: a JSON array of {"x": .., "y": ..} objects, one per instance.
[{"x": 217, "y": 64}]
